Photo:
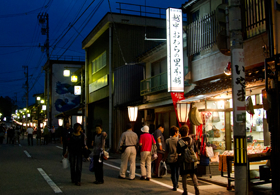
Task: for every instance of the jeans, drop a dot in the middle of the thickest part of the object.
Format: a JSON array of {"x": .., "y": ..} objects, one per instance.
[
  {"x": 195, "y": 183},
  {"x": 76, "y": 161},
  {"x": 174, "y": 174},
  {"x": 98, "y": 168},
  {"x": 30, "y": 138}
]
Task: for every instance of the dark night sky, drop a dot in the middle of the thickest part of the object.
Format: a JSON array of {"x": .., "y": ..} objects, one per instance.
[{"x": 21, "y": 36}]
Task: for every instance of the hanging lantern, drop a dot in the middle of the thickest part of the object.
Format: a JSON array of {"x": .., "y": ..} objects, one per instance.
[
  {"x": 79, "y": 119},
  {"x": 60, "y": 121},
  {"x": 44, "y": 107},
  {"x": 183, "y": 110},
  {"x": 132, "y": 113}
]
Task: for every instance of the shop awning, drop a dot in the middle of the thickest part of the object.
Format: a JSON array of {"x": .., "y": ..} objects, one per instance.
[{"x": 75, "y": 111}]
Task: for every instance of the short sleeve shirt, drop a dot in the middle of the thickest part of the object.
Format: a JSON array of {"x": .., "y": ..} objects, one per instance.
[
  {"x": 146, "y": 140},
  {"x": 158, "y": 134}
]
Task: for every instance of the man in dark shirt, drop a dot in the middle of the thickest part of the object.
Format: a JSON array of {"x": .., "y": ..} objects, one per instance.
[
  {"x": 158, "y": 135},
  {"x": 65, "y": 137}
]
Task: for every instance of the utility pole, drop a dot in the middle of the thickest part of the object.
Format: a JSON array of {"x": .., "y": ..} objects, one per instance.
[
  {"x": 44, "y": 22},
  {"x": 26, "y": 86},
  {"x": 238, "y": 97}
]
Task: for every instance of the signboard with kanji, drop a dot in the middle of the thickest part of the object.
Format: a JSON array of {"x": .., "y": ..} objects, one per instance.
[
  {"x": 174, "y": 34},
  {"x": 239, "y": 93}
]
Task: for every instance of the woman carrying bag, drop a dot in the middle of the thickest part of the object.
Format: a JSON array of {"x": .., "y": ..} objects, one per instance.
[
  {"x": 75, "y": 150},
  {"x": 184, "y": 144},
  {"x": 98, "y": 148}
]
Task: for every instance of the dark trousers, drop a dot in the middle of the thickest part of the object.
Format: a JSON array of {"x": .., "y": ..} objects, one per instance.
[
  {"x": 30, "y": 139},
  {"x": 64, "y": 148},
  {"x": 174, "y": 173},
  {"x": 1, "y": 140},
  {"x": 53, "y": 137},
  {"x": 156, "y": 165},
  {"x": 76, "y": 161},
  {"x": 98, "y": 169}
]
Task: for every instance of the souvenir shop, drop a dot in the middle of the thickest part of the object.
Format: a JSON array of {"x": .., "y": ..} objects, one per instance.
[{"x": 211, "y": 119}]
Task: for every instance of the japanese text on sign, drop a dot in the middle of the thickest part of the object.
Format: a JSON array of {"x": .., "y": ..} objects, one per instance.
[
  {"x": 239, "y": 93},
  {"x": 175, "y": 50}
]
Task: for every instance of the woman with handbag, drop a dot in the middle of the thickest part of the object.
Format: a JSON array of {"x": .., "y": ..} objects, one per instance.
[
  {"x": 146, "y": 142},
  {"x": 98, "y": 148},
  {"x": 171, "y": 155},
  {"x": 75, "y": 150},
  {"x": 187, "y": 167}
]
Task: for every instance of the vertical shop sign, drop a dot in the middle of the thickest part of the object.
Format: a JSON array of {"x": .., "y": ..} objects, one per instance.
[
  {"x": 174, "y": 33},
  {"x": 238, "y": 76}
]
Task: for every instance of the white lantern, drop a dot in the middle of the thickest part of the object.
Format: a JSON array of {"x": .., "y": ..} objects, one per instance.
[
  {"x": 183, "y": 110},
  {"x": 66, "y": 73},
  {"x": 79, "y": 119},
  {"x": 41, "y": 125},
  {"x": 44, "y": 107},
  {"x": 60, "y": 121},
  {"x": 132, "y": 113}
]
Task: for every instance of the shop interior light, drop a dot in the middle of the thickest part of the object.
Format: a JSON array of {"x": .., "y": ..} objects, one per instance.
[
  {"x": 227, "y": 69},
  {"x": 132, "y": 113},
  {"x": 74, "y": 78},
  {"x": 66, "y": 73}
]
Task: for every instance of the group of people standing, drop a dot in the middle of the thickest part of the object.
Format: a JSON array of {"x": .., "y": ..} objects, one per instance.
[
  {"x": 170, "y": 151},
  {"x": 13, "y": 134}
]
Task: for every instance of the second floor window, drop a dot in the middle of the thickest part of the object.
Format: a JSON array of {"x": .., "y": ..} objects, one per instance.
[
  {"x": 159, "y": 67},
  {"x": 99, "y": 62}
]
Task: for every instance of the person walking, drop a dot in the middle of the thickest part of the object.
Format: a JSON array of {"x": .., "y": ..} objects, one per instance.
[
  {"x": 2, "y": 133},
  {"x": 53, "y": 134},
  {"x": 29, "y": 131},
  {"x": 75, "y": 150},
  {"x": 65, "y": 136},
  {"x": 98, "y": 147},
  {"x": 171, "y": 155},
  {"x": 185, "y": 167},
  {"x": 129, "y": 139},
  {"x": 17, "y": 134},
  {"x": 158, "y": 135},
  {"x": 39, "y": 135},
  {"x": 146, "y": 141},
  {"x": 46, "y": 135}
]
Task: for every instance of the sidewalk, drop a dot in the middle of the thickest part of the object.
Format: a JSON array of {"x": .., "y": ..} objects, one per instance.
[{"x": 264, "y": 189}]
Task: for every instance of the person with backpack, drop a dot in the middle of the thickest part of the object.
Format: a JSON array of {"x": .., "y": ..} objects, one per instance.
[
  {"x": 171, "y": 155},
  {"x": 187, "y": 158},
  {"x": 146, "y": 141},
  {"x": 75, "y": 150}
]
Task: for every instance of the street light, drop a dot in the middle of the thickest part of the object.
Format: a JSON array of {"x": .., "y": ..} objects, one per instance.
[
  {"x": 183, "y": 110},
  {"x": 60, "y": 121}
]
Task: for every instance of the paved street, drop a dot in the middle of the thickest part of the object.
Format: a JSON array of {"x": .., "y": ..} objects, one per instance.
[{"x": 37, "y": 170}]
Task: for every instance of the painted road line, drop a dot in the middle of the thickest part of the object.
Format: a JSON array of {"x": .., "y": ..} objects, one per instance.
[
  {"x": 27, "y": 154},
  {"x": 55, "y": 188},
  {"x": 59, "y": 147},
  {"x": 152, "y": 180}
]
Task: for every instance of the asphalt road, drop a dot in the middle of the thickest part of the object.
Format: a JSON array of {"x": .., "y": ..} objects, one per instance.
[{"x": 37, "y": 170}]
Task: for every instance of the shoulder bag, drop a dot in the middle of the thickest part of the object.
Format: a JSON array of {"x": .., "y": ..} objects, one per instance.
[{"x": 154, "y": 150}]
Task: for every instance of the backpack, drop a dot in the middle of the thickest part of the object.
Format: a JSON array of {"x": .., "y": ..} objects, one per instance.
[{"x": 188, "y": 155}]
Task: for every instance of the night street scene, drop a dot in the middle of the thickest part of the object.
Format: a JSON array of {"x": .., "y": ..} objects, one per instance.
[{"x": 140, "y": 97}]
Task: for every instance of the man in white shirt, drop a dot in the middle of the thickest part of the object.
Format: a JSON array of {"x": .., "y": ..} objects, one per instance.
[{"x": 30, "y": 135}]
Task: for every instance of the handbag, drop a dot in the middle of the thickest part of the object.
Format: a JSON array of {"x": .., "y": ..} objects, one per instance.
[
  {"x": 105, "y": 155},
  {"x": 91, "y": 165},
  {"x": 217, "y": 132},
  {"x": 162, "y": 169},
  {"x": 122, "y": 147},
  {"x": 154, "y": 151},
  {"x": 65, "y": 163}
]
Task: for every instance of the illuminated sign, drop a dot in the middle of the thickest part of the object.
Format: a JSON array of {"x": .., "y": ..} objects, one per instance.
[
  {"x": 77, "y": 90},
  {"x": 175, "y": 70}
]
